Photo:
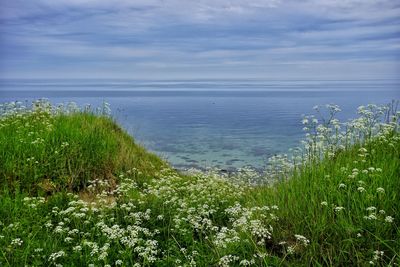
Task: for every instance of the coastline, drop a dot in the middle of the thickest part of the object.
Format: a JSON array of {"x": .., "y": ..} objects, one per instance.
[{"x": 88, "y": 191}]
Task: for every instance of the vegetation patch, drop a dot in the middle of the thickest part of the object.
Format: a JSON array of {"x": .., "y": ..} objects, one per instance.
[{"x": 77, "y": 191}]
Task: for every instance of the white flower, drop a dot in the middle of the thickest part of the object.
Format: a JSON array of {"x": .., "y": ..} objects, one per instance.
[
  {"x": 371, "y": 209},
  {"x": 244, "y": 263},
  {"x": 362, "y": 150},
  {"x": 339, "y": 209},
  {"x": 324, "y": 203},
  {"x": 56, "y": 255},
  {"x": 361, "y": 189},
  {"x": 380, "y": 190},
  {"x": 389, "y": 219},
  {"x": 291, "y": 250},
  {"x": 227, "y": 259},
  {"x": 370, "y": 217},
  {"x": 17, "y": 242},
  {"x": 77, "y": 248},
  {"x": 118, "y": 262},
  {"x": 378, "y": 255},
  {"x": 302, "y": 240}
]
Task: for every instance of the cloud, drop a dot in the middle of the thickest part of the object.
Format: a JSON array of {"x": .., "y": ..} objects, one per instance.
[{"x": 192, "y": 38}]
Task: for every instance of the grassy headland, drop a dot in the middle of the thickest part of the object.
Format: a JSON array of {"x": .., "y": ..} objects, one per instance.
[{"x": 76, "y": 190}]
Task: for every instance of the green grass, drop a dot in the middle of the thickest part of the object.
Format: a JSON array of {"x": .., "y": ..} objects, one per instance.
[
  {"x": 335, "y": 236},
  {"x": 51, "y": 153},
  {"x": 77, "y": 190}
]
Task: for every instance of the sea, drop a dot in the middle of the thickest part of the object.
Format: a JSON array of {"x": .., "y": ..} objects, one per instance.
[{"x": 225, "y": 124}]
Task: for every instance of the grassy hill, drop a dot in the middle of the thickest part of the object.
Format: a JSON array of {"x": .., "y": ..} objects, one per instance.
[{"x": 76, "y": 190}]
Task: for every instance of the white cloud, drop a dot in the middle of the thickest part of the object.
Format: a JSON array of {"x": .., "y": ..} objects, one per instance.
[{"x": 201, "y": 37}]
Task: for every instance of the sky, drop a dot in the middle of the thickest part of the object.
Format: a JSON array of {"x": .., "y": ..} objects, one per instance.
[{"x": 201, "y": 39}]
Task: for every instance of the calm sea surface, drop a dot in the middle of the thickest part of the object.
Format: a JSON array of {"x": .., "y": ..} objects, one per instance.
[{"x": 225, "y": 124}]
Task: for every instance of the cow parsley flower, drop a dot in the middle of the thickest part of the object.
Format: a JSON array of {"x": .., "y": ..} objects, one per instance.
[
  {"x": 56, "y": 255},
  {"x": 389, "y": 219},
  {"x": 370, "y": 217},
  {"x": 291, "y": 250},
  {"x": 339, "y": 209},
  {"x": 302, "y": 240},
  {"x": 361, "y": 189},
  {"x": 380, "y": 190},
  {"x": 371, "y": 208},
  {"x": 17, "y": 242}
]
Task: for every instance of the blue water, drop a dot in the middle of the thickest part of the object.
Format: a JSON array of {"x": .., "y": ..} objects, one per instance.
[{"x": 225, "y": 124}]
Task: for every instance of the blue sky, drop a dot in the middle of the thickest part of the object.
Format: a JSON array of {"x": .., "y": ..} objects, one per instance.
[{"x": 202, "y": 39}]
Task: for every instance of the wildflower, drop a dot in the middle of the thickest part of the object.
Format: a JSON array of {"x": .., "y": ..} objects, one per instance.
[
  {"x": 342, "y": 185},
  {"x": 118, "y": 262},
  {"x": 302, "y": 240},
  {"x": 291, "y": 250},
  {"x": 371, "y": 169},
  {"x": 77, "y": 248},
  {"x": 244, "y": 263},
  {"x": 56, "y": 255},
  {"x": 359, "y": 235},
  {"x": 17, "y": 242},
  {"x": 362, "y": 150},
  {"x": 361, "y": 189},
  {"x": 227, "y": 259},
  {"x": 339, "y": 209},
  {"x": 378, "y": 254},
  {"x": 370, "y": 217},
  {"x": 380, "y": 190},
  {"x": 324, "y": 203},
  {"x": 389, "y": 219},
  {"x": 371, "y": 209}
]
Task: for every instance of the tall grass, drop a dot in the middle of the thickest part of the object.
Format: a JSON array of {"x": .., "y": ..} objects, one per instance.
[
  {"x": 77, "y": 191},
  {"x": 50, "y": 148}
]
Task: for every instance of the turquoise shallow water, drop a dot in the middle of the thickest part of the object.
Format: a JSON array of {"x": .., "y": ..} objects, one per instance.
[{"x": 225, "y": 124}]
